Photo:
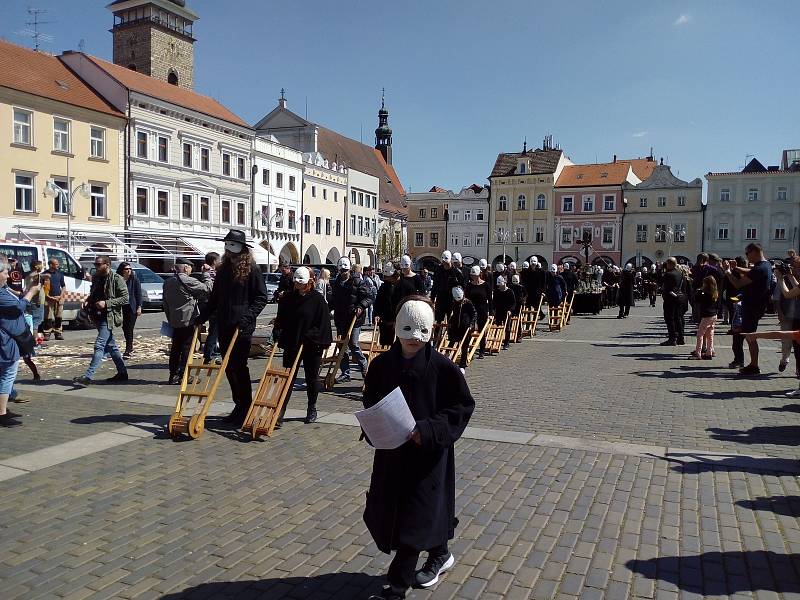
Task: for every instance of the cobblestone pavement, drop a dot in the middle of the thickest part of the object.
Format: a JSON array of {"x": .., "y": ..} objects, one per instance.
[{"x": 136, "y": 515}]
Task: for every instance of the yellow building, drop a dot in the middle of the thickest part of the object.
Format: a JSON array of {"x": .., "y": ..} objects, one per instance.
[{"x": 55, "y": 129}]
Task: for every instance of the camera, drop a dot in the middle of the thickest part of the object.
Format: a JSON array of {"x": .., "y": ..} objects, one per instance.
[{"x": 781, "y": 267}]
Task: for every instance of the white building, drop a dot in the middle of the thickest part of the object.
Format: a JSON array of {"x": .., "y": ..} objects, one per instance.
[
  {"x": 362, "y": 216},
  {"x": 278, "y": 185},
  {"x": 757, "y": 204},
  {"x": 468, "y": 222},
  {"x": 324, "y": 209}
]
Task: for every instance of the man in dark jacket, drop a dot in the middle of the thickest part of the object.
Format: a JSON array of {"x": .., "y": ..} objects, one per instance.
[
  {"x": 625, "y": 297},
  {"x": 570, "y": 279},
  {"x": 385, "y": 306},
  {"x": 504, "y": 304},
  {"x": 461, "y": 319},
  {"x": 673, "y": 292},
  {"x": 349, "y": 298},
  {"x": 446, "y": 278}
]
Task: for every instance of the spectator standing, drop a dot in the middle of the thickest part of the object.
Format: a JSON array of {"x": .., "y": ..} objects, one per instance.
[
  {"x": 707, "y": 299},
  {"x": 373, "y": 283},
  {"x": 54, "y": 302},
  {"x": 323, "y": 284},
  {"x": 349, "y": 299},
  {"x": 132, "y": 310},
  {"x": 211, "y": 346},
  {"x": 788, "y": 306},
  {"x": 674, "y": 296},
  {"x": 182, "y": 293},
  {"x": 625, "y": 297},
  {"x": 36, "y": 307},
  {"x": 754, "y": 287},
  {"x": 427, "y": 280},
  {"x": 108, "y": 295}
]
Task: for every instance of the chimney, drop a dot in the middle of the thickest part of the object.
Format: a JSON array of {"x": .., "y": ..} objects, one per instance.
[{"x": 615, "y": 158}]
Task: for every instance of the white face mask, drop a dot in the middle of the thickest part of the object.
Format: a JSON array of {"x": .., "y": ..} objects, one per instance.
[
  {"x": 414, "y": 321},
  {"x": 234, "y": 247}
]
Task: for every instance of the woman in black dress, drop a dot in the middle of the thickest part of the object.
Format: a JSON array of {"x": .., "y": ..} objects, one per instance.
[
  {"x": 384, "y": 304},
  {"x": 479, "y": 292}
]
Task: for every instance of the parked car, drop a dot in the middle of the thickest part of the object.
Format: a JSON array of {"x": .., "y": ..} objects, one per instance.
[
  {"x": 152, "y": 283},
  {"x": 271, "y": 280}
]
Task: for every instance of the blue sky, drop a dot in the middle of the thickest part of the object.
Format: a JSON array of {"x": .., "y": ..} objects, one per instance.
[{"x": 703, "y": 83}]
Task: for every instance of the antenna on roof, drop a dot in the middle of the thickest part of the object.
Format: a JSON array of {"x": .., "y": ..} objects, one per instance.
[
  {"x": 525, "y": 145},
  {"x": 37, "y": 35},
  {"x": 81, "y": 45},
  {"x": 306, "y": 108}
]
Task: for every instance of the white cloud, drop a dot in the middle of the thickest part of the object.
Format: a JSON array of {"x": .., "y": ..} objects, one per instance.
[
  {"x": 639, "y": 134},
  {"x": 682, "y": 20}
]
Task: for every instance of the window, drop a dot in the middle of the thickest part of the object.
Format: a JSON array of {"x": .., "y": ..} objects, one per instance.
[
  {"x": 141, "y": 144},
  {"x": 265, "y": 176},
  {"x": 352, "y": 224},
  {"x": 608, "y": 235},
  {"x": 662, "y": 201},
  {"x": 240, "y": 164},
  {"x": 468, "y": 215},
  {"x": 279, "y": 180},
  {"x": 313, "y": 191},
  {"x": 97, "y": 198},
  {"x": 434, "y": 213},
  {"x": 187, "y": 155},
  {"x": 24, "y": 193},
  {"x": 643, "y": 202},
  {"x": 679, "y": 232},
  {"x": 241, "y": 213},
  {"x": 750, "y": 233},
  {"x": 186, "y": 206},
  {"x": 434, "y": 240},
  {"x": 60, "y": 135},
  {"x": 318, "y": 225},
  {"x": 421, "y": 211},
  {"x": 752, "y": 194},
  {"x": 467, "y": 240},
  {"x": 205, "y": 159},
  {"x": 641, "y": 233},
  {"x": 419, "y": 239},
  {"x": 226, "y": 163},
  {"x": 522, "y": 168},
  {"x": 479, "y": 239},
  {"x": 163, "y": 203},
  {"x": 327, "y": 226},
  {"x": 566, "y": 204},
  {"x": 361, "y": 199},
  {"x": 566, "y": 235},
  {"x": 725, "y": 196},
  {"x": 681, "y": 200},
  {"x": 609, "y": 202},
  {"x": 60, "y": 201},
  {"x": 661, "y": 233},
  {"x": 588, "y": 204},
  {"x": 226, "y": 211},
  {"x": 781, "y": 193},
  {"x": 455, "y": 215},
  {"x": 97, "y": 142},
  {"x": 587, "y": 233},
  {"x": 163, "y": 149},
  {"x": 519, "y": 234},
  {"x": 454, "y": 239},
  {"x": 539, "y": 234},
  {"x": 279, "y": 218},
  {"x": 366, "y": 227},
  {"x": 338, "y": 228},
  {"x": 307, "y": 223},
  {"x": 360, "y": 225},
  {"x": 479, "y": 215},
  {"x": 521, "y": 202},
  {"x": 335, "y": 196},
  {"x": 353, "y": 200},
  {"x": 780, "y": 232},
  {"x": 292, "y": 223},
  {"x": 141, "y": 201},
  {"x": 291, "y": 183},
  {"x": 502, "y": 203},
  {"x": 22, "y": 127},
  {"x": 541, "y": 202}
]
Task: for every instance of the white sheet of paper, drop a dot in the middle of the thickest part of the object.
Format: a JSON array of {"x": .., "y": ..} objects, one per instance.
[{"x": 389, "y": 423}]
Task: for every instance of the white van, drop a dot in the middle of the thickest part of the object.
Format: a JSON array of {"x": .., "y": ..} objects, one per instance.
[{"x": 74, "y": 274}]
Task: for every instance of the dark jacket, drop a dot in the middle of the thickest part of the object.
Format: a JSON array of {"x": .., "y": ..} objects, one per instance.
[
  {"x": 12, "y": 322},
  {"x": 444, "y": 281},
  {"x": 411, "y": 497},
  {"x": 384, "y": 307},
  {"x": 236, "y": 304},
  {"x": 407, "y": 286},
  {"x": 520, "y": 295},
  {"x": 570, "y": 279},
  {"x": 672, "y": 283},
  {"x": 346, "y": 297},
  {"x": 303, "y": 320},
  {"x": 706, "y": 305},
  {"x": 134, "y": 293},
  {"x": 461, "y": 318},
  {"x": 625, "y": 295},
  {"x": 115, "y": 294},
  {"x": 555, "y": 289},
  {"x": 504, "y": 302}
]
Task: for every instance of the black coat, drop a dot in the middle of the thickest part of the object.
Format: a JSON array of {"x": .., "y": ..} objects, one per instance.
[
  {"x": 461, "y": 318},
  {"x": 520, "y": 296},
  {"x": 504, "y": 302},
  {"x": 444, "y": 281},
  {"x": 236, "y": 304},
  {"x": 411, "y": 497},
  {"x": 346, "y": 297},
  {"x": 407, "y": 286},
  {"x": 555, "y": 289},
  {"x": 303, "y": 320},
  {"x": 570, "y": 279},
  {"x": 625, "y": 296}
]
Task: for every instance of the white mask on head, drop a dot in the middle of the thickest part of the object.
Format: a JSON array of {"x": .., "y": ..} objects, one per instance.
[
  {"x": 414, "y": 321},
  {"x": 234, "y": 247},
  {"x": 458, "y": 294}
]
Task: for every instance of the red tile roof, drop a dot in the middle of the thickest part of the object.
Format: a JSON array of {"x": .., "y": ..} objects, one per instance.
[
  {"x": 602, "y": 174},
  {"x": 437, "y": 190},
  {"x": 541, "y": 162},
  {"x": 44, "y": 75},
  {"x": 144, "y": 84}
]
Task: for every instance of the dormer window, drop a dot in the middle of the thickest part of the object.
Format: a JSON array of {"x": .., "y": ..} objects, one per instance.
[{"x": 522, "y": 169}]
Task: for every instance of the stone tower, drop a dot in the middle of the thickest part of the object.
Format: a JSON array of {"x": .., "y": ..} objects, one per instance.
[
  {"x": 383, "y": 134},
  {"x": 154, "y": 37}
]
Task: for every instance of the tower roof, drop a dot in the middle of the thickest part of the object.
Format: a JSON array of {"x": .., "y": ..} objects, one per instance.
[{"x": 177, "y": 7}]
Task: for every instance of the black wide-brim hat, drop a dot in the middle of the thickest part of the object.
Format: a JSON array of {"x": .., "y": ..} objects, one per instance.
[{"x": 236, "y": 235}]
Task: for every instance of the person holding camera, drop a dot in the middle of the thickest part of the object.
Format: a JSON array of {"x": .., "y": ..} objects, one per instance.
[
  {"x": 753, "y": 286},
  {"x": 787, "y": 304}
]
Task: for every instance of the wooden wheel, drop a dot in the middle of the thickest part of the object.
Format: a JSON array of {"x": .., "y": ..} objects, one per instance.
[{"x": 196, "y": 425}]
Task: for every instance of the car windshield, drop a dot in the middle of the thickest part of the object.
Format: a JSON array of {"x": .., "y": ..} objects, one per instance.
[{"x": 147, "y": 276}]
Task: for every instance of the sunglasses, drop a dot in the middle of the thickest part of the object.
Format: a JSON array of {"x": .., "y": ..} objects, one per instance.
[{"x": 99, "y": 264}]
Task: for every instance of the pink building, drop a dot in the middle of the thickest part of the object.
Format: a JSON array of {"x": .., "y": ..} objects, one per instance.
[{"x": 589, "y": 203}]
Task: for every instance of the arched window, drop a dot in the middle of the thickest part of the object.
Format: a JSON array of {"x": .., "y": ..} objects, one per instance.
[
  {"x": 521, "y": 202},
  {"x": 541, "y": 202},
  {"x": 502, "y": 203},
  {"x": 172, "y": 78}
]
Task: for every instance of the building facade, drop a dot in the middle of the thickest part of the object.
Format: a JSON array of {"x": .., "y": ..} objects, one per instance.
[
  {"x": 427, "y": 226},
  {"x": 590, "y": 205},
  {"x": 468, "y": 223},
  {"x": 663, "y": 218},
  {"x": 278, "y": 187},
  {"x": 757, "y": 204},
  {"x": 362, "y": 217},
  {"x": 324, "y": 207},
  {"x": 522, "y": 206},
  {"x": 55, "y": 129}
]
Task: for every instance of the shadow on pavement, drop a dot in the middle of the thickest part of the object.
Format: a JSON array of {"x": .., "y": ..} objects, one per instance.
[
  {"x": 723, "y": 573},
  {"x": 694, "y": 463},
  {"x": 680, "y": 374},
  {"x": 783, "y": 435},
  {"x": 731, "y": 395},
  {"x": 795, "y": 408},
  {"x": 330, "y": 586},
  {"x": 650, "y": 357},
  {"x": 151, "y": 423},
  {"x": 788, "y": 506}
]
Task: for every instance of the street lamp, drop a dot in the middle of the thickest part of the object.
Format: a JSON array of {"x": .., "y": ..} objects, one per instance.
[
  {"x": 501, "y": 235},
  {"x": 51, "y": 190}
]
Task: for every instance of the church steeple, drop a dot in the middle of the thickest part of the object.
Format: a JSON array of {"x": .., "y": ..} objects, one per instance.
[{"x": 383, "y": 134}]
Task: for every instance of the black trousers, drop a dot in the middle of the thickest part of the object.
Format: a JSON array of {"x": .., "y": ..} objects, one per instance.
[
  {"x": 312, "y": 359},
  {"x": 673, "y": 317},
  {"x": 237, "y": 371},
  {"x": 129, "y": 317},
  {"x": 624, "y": 310},
  {"x": 179, "y": 350},
  {"x": 403, "y": 567}
]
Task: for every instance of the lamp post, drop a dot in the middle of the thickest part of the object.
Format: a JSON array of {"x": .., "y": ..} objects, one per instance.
[
  {"x": 51, "y": 190},
  {"x": 501, "y": 235}
]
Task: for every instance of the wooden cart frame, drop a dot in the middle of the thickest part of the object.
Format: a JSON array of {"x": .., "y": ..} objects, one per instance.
[
  {"x": 375, "y": 347},
  {"x": 476, "y": 337},
  {"x": 529, "y": 319},
  {"x": 332, "y": 357}
]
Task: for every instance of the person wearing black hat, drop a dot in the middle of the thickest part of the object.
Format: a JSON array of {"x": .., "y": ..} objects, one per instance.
[
  {"x": 181, "y": 296},
  {"x": 238, "y": 297}
]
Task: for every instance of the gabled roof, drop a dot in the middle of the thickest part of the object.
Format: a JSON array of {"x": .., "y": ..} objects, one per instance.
[
  {"x": 662, "y": 178},
  {"x": 438, "y": 190},
  {"x": 541, "y": 162},
  {"x": 45, "y": 76},
  {"x": 149, "y": 86},
  {"x": 754, "y": 166},
  {"x": 343, "y": 150},
  {"x": 603, "y": 174}
]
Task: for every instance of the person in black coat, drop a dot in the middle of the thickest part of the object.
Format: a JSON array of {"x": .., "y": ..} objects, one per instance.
[
  {"x": 520, "y": 295},
  {"x": 479, "y": 293},
  {"x": 384, "y": 305},
  {"x": 349, "y": 298},
  {"x": 674, "y": 296},
  {"x": 410, "y": 504},
  {"x": 555, "y": 287},
  {"x": 504, "y": 305},
  {"x": 444, "y": 280},
  {"x": 461, "y": 319},
  {"x": 625, "y": 296},
  {"x": 408, "y": 282},
  {"x": 570, "y": 278},
  {"x": 238, "y": 297},
  {"x": 132, "y": 310},
  {"x": 304, "y": 319}
]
